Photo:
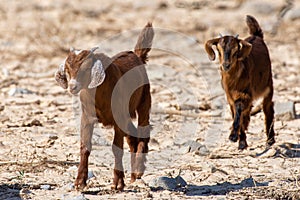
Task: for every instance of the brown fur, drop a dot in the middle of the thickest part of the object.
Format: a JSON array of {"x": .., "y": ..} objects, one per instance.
[
  {"x": 246, "y": 75},
  {"x": 97, "y": 105}
]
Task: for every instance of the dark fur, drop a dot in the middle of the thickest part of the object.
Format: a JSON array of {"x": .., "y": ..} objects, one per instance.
[{"x": 246, "y": 75}]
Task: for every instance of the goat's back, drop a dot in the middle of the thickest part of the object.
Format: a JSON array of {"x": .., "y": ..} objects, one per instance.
[
  {"x": 259, "y": 66},
  {"x": 126, "y": 61}
]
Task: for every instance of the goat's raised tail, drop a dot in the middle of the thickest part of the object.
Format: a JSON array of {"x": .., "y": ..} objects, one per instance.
[
  {"x": 144, "y": 43},
  {"x": 254, "y": 27}
]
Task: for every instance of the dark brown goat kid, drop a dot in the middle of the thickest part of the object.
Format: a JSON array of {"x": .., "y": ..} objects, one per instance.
[
  {"x": 246, "y": 76},
  {"x": 112, "y": 91}
]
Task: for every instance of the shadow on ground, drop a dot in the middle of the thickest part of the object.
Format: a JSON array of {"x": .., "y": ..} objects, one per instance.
[
  {"x": 10, "y": 191},
  {"x": 222, "y": 188},
  {"x": 290, "y": 150}
]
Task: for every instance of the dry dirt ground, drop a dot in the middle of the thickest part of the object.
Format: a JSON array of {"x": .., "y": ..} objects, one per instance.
[{"x": 39, "y": 139}]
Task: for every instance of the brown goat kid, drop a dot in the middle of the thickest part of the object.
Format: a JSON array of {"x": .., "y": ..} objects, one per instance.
[
  {"x": 246, "y": 75},
  {"x": 112, "y": 91}
]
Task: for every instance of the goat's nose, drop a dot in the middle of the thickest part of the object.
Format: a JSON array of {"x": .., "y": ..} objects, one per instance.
[
  {"x": 226, "y": 66},
  {"x": 72, "y": 84}
]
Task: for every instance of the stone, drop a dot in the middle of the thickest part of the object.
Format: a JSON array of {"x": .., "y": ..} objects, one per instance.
[
  {"x": 16, "y": 91},
  {"x": 284, "y": 111},
  {"x": 195, "y": 147},
  {"x": 294, "y": 14},
  {"x": 167, "y": 183},
  {"x": 45, "y": 187}
]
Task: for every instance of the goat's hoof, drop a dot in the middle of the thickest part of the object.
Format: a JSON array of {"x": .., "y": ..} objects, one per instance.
[
  {"x": 118, "y": 181},
  {"x": 270, "y": 142},
  {"x": 80, "y": 184},
  {"x": 233, "y": 137},
  {"x": 242, "y": 145},
  {"x": 133, "y": 178},
  {"x": 119, "y": 185}
]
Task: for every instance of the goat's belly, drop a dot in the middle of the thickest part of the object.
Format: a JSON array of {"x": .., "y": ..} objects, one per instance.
[{"x": 261, "y": 93}]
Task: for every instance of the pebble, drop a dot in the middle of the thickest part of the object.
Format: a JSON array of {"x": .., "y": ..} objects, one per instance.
[
  {"x": 45, "y": 187},
  {"x": 69, "y": 187},
  {"x": 15, "y": 91},
  {"x": 90, "y": 174},
  {"x": 167, "y": 183},
  {"x": 294, "y": 14},
  {"x": 196, "y": 147},
  {"x": 284, "y": 111},
  {"x": 79, "y": 197}
]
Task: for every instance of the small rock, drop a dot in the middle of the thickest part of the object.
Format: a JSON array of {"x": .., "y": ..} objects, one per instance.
[
  {"x": 196, "y": 147},
  {"x": 90, "y": 174},
  {"x": 69, "y": 187},
  {"x": 15, "y": 91},
  {"x": 167, "y": 183},
  {"x": 284, "y": 111},
  {"x": 79, "y": 197},
  {"x": 5, "y": 72},
  {"x": 294, "y": 14},
  {"x": 45, "y": 187},
  {"x": 163, "y": 182}
]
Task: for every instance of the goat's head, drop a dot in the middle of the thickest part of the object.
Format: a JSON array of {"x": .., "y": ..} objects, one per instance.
[
  {"x": 80, "y": 70},
  {"x": 230, "y": 49}
]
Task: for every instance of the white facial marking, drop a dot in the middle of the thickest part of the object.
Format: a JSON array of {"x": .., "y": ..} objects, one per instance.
[{"x": 77, "y": 52}]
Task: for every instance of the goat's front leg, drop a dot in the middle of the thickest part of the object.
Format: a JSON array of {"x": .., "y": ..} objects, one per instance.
[
  {"x": 86, "y": 132},
  {"x": 234, "y": 135},
  {"x": 117, "y": 148}
]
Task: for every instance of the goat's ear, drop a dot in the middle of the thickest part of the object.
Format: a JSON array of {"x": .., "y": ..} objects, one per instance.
[
  {"x": 94, "y": 49},
  {"x": 97, "y": 74},
  {"x": 209, "y": 49},
  {"x": 60, "y": 76},
  {"x": 245, "y": 50}
]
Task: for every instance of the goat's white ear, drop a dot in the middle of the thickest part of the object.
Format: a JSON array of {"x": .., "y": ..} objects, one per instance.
[
  {"x": 60, "y": 76},
  {"x": 97, "y": 75}
]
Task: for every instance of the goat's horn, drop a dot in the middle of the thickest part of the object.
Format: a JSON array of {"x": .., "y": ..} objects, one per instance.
[
  {"x": 72, "y": 49},
  {"x": 220, "y": 35},
  {"x": 236, "y": 36},
  {"x": 94, "y": 49}
]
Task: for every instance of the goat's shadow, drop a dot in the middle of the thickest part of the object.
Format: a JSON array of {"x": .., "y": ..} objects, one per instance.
[
  {"x": 287, "y": 150},
  {"x": 222, "y": 188},
  {"x": 10, "y": 191}
]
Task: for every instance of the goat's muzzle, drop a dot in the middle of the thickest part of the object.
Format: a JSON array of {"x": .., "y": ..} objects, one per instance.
[
  {"x": 226, "y": 66},
  {"x": 74, "y": 87}
]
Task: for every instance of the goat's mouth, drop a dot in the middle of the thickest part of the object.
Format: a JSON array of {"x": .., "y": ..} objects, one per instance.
[{"x": 74, "y": 91}]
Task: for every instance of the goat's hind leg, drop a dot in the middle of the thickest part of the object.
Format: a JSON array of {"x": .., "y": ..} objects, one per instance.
[
  {"x": 117, "y": 148},
  {"x": 269, "y": 117},
  {"x": 143, "y": 133},
  {"x": 133, "y": 142}
]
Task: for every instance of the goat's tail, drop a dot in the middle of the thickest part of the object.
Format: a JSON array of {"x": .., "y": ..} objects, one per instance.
[
  {"x": 254, "y": 27},
  {"x": 144, "y": 42}
]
